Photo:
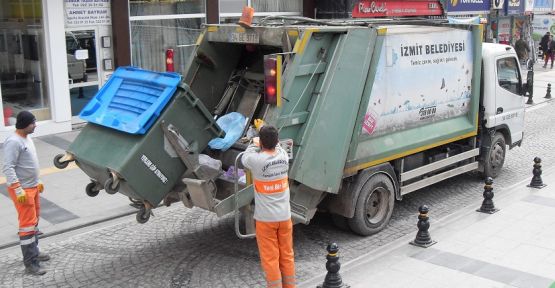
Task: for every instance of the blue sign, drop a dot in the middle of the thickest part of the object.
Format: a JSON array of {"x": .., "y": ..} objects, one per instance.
[
  {"x": 514, "y": 7},
  {"x": 468, "y": 6},
  {"x": 543, "y": 5}
]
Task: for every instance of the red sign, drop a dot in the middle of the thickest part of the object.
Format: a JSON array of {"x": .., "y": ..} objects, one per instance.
[{"x": 385, "y": 8}]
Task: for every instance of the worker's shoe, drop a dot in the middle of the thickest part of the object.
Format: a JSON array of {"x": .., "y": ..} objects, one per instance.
[
  {"x": 34, "y": 269},
  {"x": 43, "y": 257}
]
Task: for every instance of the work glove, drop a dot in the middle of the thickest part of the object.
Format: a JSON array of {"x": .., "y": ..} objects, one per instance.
[
  {"x": 40, "y": 187},
  {"x": 258, "y": 123},
  {"x": 20, "y": 194}
]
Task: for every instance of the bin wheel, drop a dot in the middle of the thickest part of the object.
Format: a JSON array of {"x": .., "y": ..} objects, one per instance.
[
  {"x": 90, "y": 189},
  {"x": 143, "y": 216},
  {"x": 58, "y": 164},
  {"x": 108, "y": 186}
]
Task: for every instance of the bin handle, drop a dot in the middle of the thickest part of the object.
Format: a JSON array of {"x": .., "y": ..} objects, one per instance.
[{"x": 236, "y": 209}]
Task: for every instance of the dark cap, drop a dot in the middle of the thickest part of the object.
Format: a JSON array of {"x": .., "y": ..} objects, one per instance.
[{"x": 24, "y": 119}]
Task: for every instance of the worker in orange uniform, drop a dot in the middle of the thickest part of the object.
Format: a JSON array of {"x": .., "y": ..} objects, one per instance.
[
  {"x": 21, "y": 167},
  {"x": 269, "y": 165}
]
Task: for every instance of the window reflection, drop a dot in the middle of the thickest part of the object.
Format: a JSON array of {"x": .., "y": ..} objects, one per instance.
[
  {"x": 22, "y": 60},
  {"x": 150, "y": 39},
  {"x": 165, "y": 7}
]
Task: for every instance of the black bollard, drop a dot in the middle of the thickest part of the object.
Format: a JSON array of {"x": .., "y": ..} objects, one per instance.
[
  {"x": 487, "y": 204},
  {"x": 548, "y": 94},
  {"x": 530, "y": 101},
  {"x": 423, "y": 238},
  {"x": 333, "y": 279},
  {"x": 537, "y": 171}
]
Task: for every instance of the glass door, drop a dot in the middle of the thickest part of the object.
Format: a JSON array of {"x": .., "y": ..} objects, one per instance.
[{"x": 82, "y": 65}]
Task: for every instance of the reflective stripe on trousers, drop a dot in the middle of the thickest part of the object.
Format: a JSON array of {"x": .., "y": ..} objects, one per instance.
[{"x": 275, "y": 245}]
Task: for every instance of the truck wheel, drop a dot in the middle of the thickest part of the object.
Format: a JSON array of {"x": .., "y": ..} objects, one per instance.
[
  {"x": 374, "y": 206},
  {"x": 341, "y": 222},
  {"x": 58, "y": 164},
  {"x": 91, "y": 189},
  {"x": 496, "y": 156}
]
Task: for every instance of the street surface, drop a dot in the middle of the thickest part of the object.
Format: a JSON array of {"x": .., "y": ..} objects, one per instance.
[{"x": 182, "y": 247}]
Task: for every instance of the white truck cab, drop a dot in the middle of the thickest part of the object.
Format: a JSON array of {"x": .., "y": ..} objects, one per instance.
[{"x": 503, "y": 92}]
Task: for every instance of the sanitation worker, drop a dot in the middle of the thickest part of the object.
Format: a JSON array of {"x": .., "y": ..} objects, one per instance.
[
  {"x": 21, "y": 168},
  {"x": 269, "y": 165}
]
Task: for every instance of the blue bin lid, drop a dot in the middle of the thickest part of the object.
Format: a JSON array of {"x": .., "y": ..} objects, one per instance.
[{"x": 131, "y": 100}]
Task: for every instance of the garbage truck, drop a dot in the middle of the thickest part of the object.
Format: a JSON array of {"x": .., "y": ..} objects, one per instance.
[{"x": 368, "y": 111}]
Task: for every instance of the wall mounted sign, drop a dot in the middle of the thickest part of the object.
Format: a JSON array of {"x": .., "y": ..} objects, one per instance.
[
  {"x": 469, "y": 6},
  {"x": 384, "y": 8},
  {"x": 514, "y": 7},
  {"x": 87, "y": 12},
  {"x": 543, "y": 5}
]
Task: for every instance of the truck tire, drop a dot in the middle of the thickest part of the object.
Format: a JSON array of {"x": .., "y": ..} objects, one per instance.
[
  {"x": 374, "y": 206},
  {"x": 495, "y": 156}
]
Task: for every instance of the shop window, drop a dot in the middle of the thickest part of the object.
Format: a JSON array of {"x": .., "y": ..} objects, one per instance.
[
  {"x": 230, "y": 10},
  {"x": 165, "y": 7},
  {"x": 232, "y": 6},
  {"x": 23, "y": 70},
  {"x": 150, "y": 40},
  {"x": 277, "y": 5}
]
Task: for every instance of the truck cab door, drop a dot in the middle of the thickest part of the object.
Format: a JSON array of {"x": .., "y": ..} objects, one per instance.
[{"x": 509, "y": 101}]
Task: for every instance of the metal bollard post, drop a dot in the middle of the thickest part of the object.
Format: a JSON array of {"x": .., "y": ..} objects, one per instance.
[
  {"x": 423, "y": 238},
  {"x": 333, "y": 279},
  {"x": 548, "y": 94},
  {"x": 487, "y": 204},
  {"x": 537, "y": 171},
  {"x": 530, "y": 101}
]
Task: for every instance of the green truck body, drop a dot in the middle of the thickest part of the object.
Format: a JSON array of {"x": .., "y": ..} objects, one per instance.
[{"x": 375, "y": 111}]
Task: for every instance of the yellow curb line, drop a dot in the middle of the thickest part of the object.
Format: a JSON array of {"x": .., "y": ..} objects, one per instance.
[{"x": 47, "y": 171}]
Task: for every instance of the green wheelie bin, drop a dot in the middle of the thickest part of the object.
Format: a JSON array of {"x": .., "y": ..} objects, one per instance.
[{"x": 123, "y": 148}]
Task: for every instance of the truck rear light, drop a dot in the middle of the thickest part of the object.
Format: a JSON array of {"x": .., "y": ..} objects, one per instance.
[
  {"x": 169, "y": 60},
  {"x": 272, "y": 79}
]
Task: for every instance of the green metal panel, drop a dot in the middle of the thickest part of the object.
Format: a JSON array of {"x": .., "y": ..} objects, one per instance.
[
  {"x": 367, "y": 150},
  {"x": 98, "y": 149},
  {"x": 326, "y": 136},
  {"x": 245, "y": 197}
]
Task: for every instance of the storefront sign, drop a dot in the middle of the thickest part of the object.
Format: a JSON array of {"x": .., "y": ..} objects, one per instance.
[
  {"x": 504, "y": 31},
  {"x": 543, "y": 5},
  {"x": 528, "y": 6},
  {"x": 468, "y": 6},
  {"x": 382, "y": 8},
  {"x": 87, "y": 12},
  {"x": 541, "y": 25},
  {"x": 514, "y": 7}
]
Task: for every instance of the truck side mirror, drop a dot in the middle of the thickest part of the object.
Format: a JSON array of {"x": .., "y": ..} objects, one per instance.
[{"x": 528, "y": 87}]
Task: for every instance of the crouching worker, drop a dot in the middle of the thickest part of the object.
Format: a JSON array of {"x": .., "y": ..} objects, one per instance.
[
  {"x": 269, "y": 165},
  {"x": 21, "y": 168}
]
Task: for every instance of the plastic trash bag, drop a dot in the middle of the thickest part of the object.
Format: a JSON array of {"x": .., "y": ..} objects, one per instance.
[
  {"x": 233, "y": 124},
  {"x": 206, "y": 160}
]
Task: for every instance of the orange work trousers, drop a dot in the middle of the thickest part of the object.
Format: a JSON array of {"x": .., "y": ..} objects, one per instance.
[
  {"x": 28, "y": 212},
  {"x": 275, "y": 245}
]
